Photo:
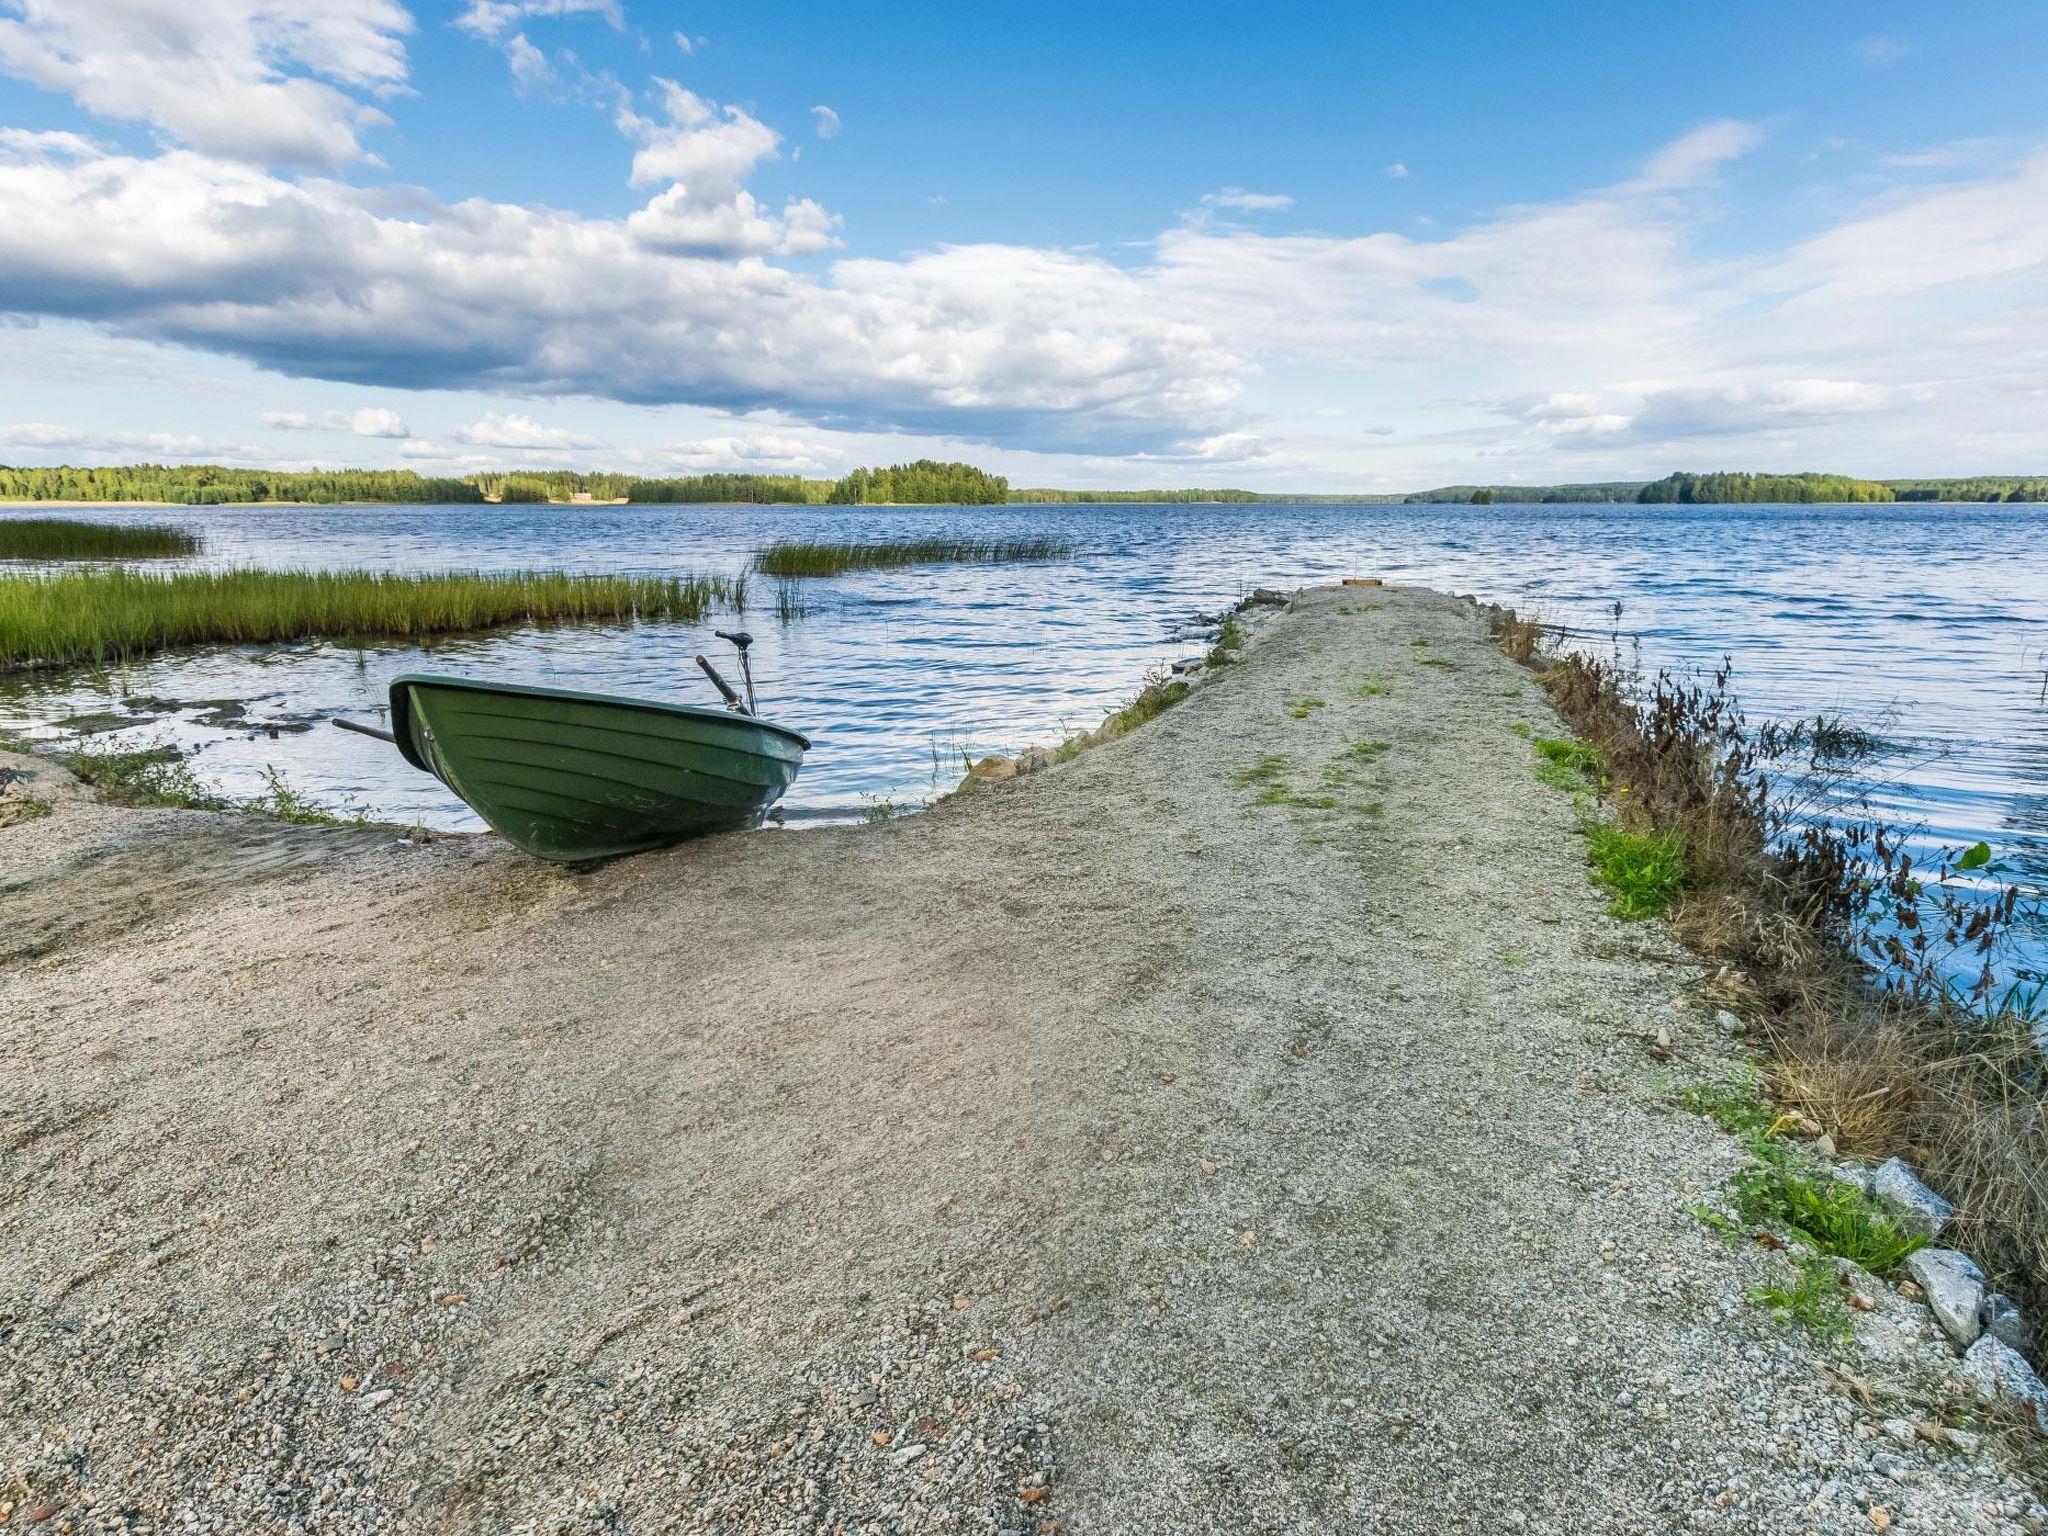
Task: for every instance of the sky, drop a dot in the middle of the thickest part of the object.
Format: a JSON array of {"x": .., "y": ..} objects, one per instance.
[{"x": 1288, "y": 247}]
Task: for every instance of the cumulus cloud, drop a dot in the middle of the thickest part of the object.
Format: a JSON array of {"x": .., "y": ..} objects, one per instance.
[
  {"x": 1588, "y": 322},
  {"x": 370, "y": 421},
  {"x": 710, "y": 149},
  {"x": 268, "y": 81},
  {"x": 1250, "y": 202},
  {"x": 1397, "y": 172},
  {"x": 513, "y": 430},
  {"x": 827, "y": 122}
]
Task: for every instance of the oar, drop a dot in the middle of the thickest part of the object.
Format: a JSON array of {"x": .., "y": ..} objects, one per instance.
[
  {"x": 367, "y": 730},
  {"x": 732, "y": 699}
]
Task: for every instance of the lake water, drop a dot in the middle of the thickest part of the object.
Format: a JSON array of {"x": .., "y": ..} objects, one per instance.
[{"x": 1928, "y": 621}]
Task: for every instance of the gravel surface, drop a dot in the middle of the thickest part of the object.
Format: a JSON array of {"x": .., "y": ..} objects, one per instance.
[{"x": 1240, "y": 1128}]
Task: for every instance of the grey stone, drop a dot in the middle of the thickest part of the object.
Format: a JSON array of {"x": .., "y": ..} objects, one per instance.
[
  {"x": 1954, "y": 1287},
  {"x": 1269, "y": 597},
  {"x": 1920, "y": 1208},
  {"x": 1730, "y": 1025},
  {"x": 1187, "y": 665},
  {"x": 1999, "y": 1372},
  {"x": 1998, "y": 1315}
]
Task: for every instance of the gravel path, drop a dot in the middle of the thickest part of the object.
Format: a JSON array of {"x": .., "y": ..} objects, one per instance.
[{"x": 1242, "y": 1128}]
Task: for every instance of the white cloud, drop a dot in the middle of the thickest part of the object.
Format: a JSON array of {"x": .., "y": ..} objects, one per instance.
[
  {"x": 709, "y": 149},
  {"x": 492, "y": 20},
  {"x": 690, "y": 44},
  {"x": 43, "y": 437},
  {"x": 760, "y": 453},
  {"x": 827, "y": 120},
  {"x": 1591, "y": 323},
  {"x": 502, "y": 429},
  {"x": 1693, "y": 159},
  {"x": 370, "y": 421},
  {"x": 530, "y": 68},
  {"x": 1397, "y": 172},
  {"x": 1881, "y": 52},
  {"x": 260, "y": 80},
  {"x": 1251, "y": 202}
]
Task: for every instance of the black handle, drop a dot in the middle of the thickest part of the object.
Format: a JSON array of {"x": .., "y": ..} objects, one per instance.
[
  {"x": 720, "y": 684},
  {"x": 367, "y": 730}
]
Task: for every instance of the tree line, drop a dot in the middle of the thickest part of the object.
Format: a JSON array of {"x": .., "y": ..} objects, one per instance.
[
  {"x": 1717, "y": 488},
  {"x": 926, "y": 481},
  {"x": 203, "y": 485}
]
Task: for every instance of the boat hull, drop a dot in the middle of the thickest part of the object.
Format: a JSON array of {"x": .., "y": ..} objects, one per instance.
[{"x": 573, "y": 776}]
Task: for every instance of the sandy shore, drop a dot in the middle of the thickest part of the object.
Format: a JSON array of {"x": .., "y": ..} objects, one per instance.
[{"x": 1240, "y": 1128}]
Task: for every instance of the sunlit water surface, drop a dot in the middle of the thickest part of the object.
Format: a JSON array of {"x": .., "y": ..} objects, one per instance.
[{"x": 1930, "y": 620}]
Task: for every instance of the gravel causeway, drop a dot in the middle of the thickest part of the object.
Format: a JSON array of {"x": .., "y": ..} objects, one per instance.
[{"x": 1257, "y": 1124}]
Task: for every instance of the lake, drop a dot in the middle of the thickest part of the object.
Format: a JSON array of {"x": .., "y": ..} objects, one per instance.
[{"x": 1927, "y": 623}]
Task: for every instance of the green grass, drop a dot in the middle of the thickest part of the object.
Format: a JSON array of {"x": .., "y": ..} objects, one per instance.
[
  {"x": 1301, "y": 709},
  {"x": 827, "y": 558},
  {"x": 1642, "y": 872},
  {"x": 1229, "y": 641},
  {"x": 64, "y": 538},
  {"x": 1266, "y": 770},
  {"x": 161, "y": 776},
  {"x": 1813, "y": 1299},
  {"x": 1373, "y": 686},
  {"x": 1154, "y": 700},
  {"x": 1571, "y": 766},
  {"x": 1785, "y": 1188},
  {"x": 102, "y": 615},
  {"x": 1360, "y": 750}
]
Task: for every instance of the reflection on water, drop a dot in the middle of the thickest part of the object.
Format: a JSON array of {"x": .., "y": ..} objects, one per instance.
[{"x": 1936, "y": 614}]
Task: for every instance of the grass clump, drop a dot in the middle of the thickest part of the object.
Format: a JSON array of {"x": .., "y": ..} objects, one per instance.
[
  {"x": 1783, "y": 1187},
  {"x": 103, "y": 615},
  {"x": 1571, "y": 766},
  {"x": 805, "y": 557},
  {"x": 1301, "y": 709},
  {"x": 1229, "y": 641},
  {"x": 1372, "y": 686},
  {"x": 1642, "y": 871},
  {"x": 1835, "y": 1216},
  {"x": 1159, "y": 694},
  {"x": 65, "y": 538},
  {"x": 1359, "y": 749},
  {"x": 1813, "y": 1299}
]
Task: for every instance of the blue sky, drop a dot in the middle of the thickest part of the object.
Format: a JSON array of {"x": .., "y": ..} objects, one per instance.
[{"x": 1308, "y": 246}]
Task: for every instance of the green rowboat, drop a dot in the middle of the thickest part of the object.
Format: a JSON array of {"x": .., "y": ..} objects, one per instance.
[{"x": 575, "y": 776}]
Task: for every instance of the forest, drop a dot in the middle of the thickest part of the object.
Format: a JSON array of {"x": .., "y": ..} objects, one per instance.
[
  {"x": 214, "y": 485},
  {"x": 924, "y": 482},
  {"x": 1973, "y": 488},
  {"x": 1718, "y": 488}
]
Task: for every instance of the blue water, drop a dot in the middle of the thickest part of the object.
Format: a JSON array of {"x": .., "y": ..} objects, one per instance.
[{"x": 1930, "y": 622}]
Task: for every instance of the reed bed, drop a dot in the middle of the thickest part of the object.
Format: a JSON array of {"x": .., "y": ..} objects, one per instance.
[
  {"x": 107, "y": 615},
  {"x": 65, "y": 538},
  {"x": 823, "y": 558}
]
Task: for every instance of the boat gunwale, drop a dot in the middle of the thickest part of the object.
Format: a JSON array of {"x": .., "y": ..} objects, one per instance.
[{"x": 401, "y": 707}]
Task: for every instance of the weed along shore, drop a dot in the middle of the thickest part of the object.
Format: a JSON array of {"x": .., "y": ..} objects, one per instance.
[{"x": 1253, "y": 1118}]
